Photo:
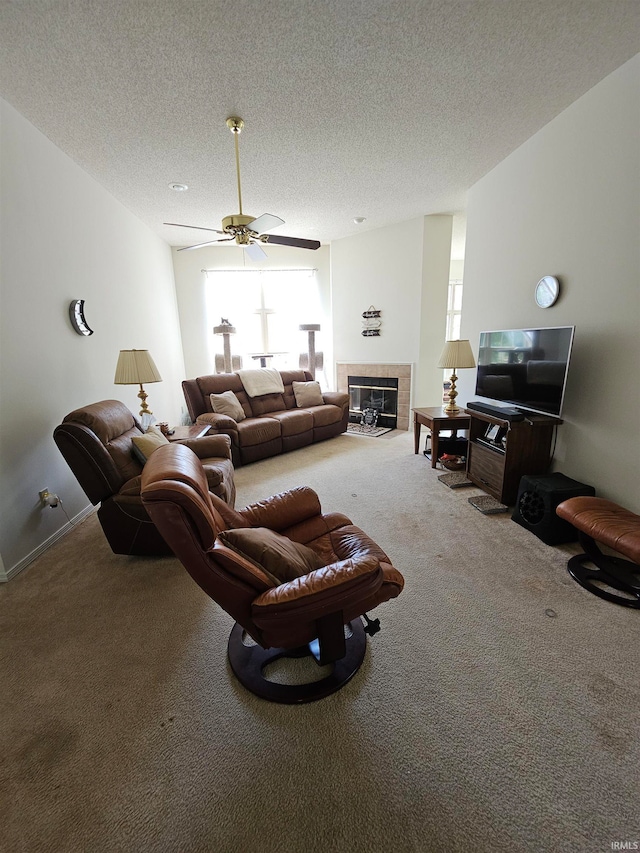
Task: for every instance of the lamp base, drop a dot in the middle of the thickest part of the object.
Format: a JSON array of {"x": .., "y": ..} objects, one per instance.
[
  {"x": 142, "y": 395},
  {"x": 451, "y": 408}
]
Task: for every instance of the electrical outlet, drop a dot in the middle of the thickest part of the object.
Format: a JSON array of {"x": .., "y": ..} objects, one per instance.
[{"x": 47, "y": 499}]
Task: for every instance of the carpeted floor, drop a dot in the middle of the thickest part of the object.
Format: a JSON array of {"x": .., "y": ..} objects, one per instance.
[{"x": 497, "y": 710}]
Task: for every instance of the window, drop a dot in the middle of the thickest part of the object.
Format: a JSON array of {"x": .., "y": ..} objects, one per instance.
[
  {"x": 452, "y": 333},
  {"x": 266, "y": 307},
  {"x": 454, "y": 310}
]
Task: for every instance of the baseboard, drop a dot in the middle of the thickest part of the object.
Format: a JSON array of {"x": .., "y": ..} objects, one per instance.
[{"x": 66, "y": 528}]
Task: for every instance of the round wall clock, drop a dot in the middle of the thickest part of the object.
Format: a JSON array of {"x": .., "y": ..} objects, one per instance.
[
  {"x": 547, "y": 291},
  {"x": 76, "y": 315}
]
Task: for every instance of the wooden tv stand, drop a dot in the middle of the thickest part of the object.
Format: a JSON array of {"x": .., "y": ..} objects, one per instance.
[{"x": 526, "y": 450}]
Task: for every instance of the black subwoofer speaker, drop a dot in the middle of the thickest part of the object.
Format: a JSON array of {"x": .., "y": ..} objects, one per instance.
[{"x": 538, "y": 497}]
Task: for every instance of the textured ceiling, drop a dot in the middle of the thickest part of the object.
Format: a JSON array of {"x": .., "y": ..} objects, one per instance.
[{"x": 387, "y": 109}]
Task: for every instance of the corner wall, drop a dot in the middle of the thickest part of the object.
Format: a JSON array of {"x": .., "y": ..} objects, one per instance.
[
  {"x": 403, "y": 270},
  {"x": 64, "y": 237},
  {"x": 567, "y": 203}
]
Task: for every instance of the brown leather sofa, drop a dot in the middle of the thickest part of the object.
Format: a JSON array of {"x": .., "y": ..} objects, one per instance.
[
  {"x": 96, "y": 441},
  {"x": 249, "y": 563},
  {"x": 273, "y": 423}
]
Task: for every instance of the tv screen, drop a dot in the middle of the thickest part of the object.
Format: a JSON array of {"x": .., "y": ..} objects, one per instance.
[{"x": 526, "y": 368}]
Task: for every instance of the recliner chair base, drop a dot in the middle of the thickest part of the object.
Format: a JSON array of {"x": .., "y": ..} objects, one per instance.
[
  {"x": 613, "y": 572},
  {"x": 248, "y": 664}
]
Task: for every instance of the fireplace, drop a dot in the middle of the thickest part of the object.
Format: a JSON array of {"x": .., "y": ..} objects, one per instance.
[
  {"x": 382, "y": 379},
  {"x": 378, "y": 393}
]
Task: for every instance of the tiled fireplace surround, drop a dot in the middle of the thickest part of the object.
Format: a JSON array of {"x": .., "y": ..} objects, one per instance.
[{"x": 401, "y": 372}]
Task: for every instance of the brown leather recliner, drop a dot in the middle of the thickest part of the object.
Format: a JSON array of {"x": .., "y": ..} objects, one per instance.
[
  {"x": 312, "y": 612},
  {"x": 96, "y": 442}
]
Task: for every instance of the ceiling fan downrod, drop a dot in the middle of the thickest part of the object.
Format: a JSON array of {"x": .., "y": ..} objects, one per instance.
[
  {"x": 235, "y": 125},
  {"x": 237, "y": 225}
]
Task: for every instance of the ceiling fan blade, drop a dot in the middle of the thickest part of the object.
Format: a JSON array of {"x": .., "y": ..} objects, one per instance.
[
  {"x": 197, "y": 227},
  {"x": 255, "y": 252},
  {"x": 279, "y": 240},
  {"x": 266, "y": 222},
  {"x": 208, "y": 243}
]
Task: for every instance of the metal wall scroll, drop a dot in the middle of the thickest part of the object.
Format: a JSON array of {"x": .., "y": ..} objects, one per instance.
[{"x": 371, "y": 322}]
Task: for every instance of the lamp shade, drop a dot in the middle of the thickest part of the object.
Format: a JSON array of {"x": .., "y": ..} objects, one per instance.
[
  {"x": 456, "y": 354},
  {"x": 135, "y": 367}
]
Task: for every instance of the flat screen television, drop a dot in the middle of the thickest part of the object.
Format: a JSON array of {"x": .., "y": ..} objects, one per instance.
[{"x": 525, "y": 368}]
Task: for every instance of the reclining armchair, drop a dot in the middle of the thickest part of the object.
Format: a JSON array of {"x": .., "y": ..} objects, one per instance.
[
  {"x": 296, "y": 581},
  {"x": 97, "y": 443}
]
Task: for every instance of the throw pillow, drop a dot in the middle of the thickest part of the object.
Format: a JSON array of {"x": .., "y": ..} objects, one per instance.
[
  {"x": 227, "y": 404},
  {"x": 154, "y": 430},
  {"x": 278, "y": 556},
  {"x": 144, "y": 445},
  {"x": 307, "y": 394}
]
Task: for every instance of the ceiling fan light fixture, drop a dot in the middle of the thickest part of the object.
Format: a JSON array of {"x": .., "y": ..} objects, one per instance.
[
  {"x": 359, "y": 219},
  {"x": 179, "y": 188}
]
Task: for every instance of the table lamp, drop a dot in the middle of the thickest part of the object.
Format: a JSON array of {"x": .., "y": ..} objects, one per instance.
[
  {"x": 454, "y": 355},
  {"x": 134, "y": 367}
]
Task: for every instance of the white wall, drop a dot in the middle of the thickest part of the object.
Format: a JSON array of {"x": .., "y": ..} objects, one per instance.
[
  {"x": 191, "y": 293},
  {"x": 64, "y": 237},
  {"x": 382, "y": 268},
  {"x": 436, "y": 266},
  {"x": 567, "y": 203}
]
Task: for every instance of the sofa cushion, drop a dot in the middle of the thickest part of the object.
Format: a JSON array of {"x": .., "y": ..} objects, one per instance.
[
  {"x": 275, "y": 554},
  {"x": 307, "y": 394},
  {"x": 228, "y": 404},
  {"x": 257, "y": 431},
  {"x": 267, "y": 403},
  {"x": 293, "y": 421},
  {"x": 325, "y": 415}
]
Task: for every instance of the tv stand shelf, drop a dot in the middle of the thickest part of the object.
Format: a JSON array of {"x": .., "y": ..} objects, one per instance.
[{"x": 526, "y": 450}]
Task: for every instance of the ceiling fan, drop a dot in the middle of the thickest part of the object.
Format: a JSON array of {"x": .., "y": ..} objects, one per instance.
[{"x": 247, "y": 231}]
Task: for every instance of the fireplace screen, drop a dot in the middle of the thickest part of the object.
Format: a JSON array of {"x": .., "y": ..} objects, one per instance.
[{"x": 373, "y": 392}]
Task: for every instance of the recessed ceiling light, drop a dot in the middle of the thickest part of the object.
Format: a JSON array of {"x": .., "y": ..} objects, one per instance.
[
  {"x": 359, "y": 219},
  {"x": 179, "y": 188}
]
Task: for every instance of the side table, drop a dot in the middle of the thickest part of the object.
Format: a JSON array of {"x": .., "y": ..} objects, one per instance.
[
  {"x": 180, "y": 433},
  {"x": 437, "y": 419}
]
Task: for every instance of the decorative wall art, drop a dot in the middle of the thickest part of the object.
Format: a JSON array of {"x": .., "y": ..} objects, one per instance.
[{"x": 371, "y": 322}]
